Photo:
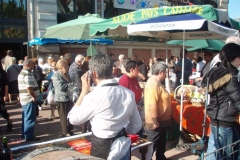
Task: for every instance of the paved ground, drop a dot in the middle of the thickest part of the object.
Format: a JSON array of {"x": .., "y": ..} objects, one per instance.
[{"x": 49, "y": 130}]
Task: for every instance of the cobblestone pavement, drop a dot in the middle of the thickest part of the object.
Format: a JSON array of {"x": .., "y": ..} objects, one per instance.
[{"x": 50, "y": 129}]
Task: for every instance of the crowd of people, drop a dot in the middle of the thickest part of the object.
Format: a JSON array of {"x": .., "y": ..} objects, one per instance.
[{"x": 114, "y": 92}]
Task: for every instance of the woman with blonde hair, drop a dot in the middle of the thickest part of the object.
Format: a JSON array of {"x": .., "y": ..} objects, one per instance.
[
  {"x": 49, "y": 78},
  {"x": 61, "y": 81}
]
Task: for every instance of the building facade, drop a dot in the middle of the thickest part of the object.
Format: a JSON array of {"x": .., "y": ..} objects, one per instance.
[{"x": 13, "y": 26}]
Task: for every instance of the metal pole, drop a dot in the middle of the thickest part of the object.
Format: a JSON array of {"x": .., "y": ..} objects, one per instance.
[
  {"x": 95, "y": 7},
  {"x": 102, "y": 8},
  {"x": 182, "y": 92},
  {"x": 75, "y": 9},
  {"x": 167, "y": 80}
]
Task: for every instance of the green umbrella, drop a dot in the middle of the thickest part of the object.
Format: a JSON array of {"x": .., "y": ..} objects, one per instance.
[
  {"x": 91, "y": 51},
  {"x": 200, "y": 45},
  {"x": 117, "y": 25},
  {"x": 74, "y": 29}
]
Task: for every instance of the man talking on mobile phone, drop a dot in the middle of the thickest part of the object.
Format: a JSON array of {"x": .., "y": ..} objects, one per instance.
[{"x": 110, "y": 108}]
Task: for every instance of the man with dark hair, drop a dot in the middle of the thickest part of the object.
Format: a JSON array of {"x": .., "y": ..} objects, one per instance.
[
  {"x": 110, "y": 108},
  {"x": 142, "y": 76},
  {"x": 7, "y": 60},
  {"x": 112, "y": 56},
  {"x": 207, "y": 56},
  {"x": 134, "y": 58},
  {"x": 29, "y": 92},
  {"x": 187, "y": 69}
]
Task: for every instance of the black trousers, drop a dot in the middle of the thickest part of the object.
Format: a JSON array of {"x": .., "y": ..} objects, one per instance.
[
  {"x": 63, "y": 110},
  {"x": 158, "y": 138},
  {"x": 3, "y": 110}
]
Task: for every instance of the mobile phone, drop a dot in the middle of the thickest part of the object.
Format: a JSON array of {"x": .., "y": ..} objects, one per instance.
[{"x": 89, "y": 74}]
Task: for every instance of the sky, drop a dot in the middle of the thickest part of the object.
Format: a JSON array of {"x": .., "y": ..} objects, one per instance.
[{"x": 234, "y": 8}]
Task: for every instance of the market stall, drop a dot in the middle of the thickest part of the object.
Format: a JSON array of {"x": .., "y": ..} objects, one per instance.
[
  {"x": 77, "y": 146},
  {"x": 193, "y": 117}
]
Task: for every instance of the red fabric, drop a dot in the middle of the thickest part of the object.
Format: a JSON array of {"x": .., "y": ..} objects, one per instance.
[
  {"x": 193, "y": 117},
  {"x": 81, "y": 145},
  {"x": 133, "y": 85}
]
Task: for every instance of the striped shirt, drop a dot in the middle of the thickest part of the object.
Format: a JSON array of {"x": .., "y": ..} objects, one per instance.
[{"x": 26, "y": 80}]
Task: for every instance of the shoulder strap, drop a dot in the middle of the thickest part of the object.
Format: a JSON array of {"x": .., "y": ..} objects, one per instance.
[{"x": 16, "y": 68}]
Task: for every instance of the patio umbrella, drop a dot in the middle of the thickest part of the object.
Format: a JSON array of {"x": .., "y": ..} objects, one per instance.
[
  {"x": 74, "y": 29},
  {"x": 200, "y": 49},
  {"x": 200, "y": 45},
  {"x": 116, "y": 26},
  {"x": 171, "y": 27}
]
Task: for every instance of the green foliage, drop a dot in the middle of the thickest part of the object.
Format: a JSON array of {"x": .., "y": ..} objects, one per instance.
[
  {"x": 14, "y": 33},
  {"x": 13, "y": 9}
]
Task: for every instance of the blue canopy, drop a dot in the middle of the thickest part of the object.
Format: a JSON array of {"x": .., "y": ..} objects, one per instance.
[
  {"x": 45, "y": 41},
  {"x": 172, "y": 18}
]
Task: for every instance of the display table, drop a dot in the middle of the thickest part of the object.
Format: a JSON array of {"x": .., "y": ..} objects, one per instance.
[
  {"x": 192, "y": 118},
  {"x": 141, "y": 150}
]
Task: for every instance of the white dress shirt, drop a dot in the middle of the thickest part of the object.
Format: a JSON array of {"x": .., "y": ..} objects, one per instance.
[
  {"x": 200, "y": 66},
  {"x": 214, "y": 61},
  {"x": 207, "y": 68},
  {"x": 109, "y": 109}
]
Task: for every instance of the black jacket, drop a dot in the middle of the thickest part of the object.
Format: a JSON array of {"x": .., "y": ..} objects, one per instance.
[
  {"x": 77, "y": 78},
  {"x": 37, "y": 73},
  {"x": 224, "y": 90},
  {"x": 3, "y": 83}
]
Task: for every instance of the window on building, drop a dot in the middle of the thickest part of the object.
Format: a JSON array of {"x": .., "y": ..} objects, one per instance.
[
  {"x": 13, "y": 31},
  {"x": 16, "y": 9},
  {"x": 80, "y": 7},
  {"x": 110, "y": 11},
  {"x": 211, "y": 2},
  {"x": 84, "y": 6},
  {"x": 71, "y": 9}
]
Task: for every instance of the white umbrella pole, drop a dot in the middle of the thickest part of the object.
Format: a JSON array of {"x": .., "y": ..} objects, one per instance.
[
  {"x": 167, "y": 80},
  {"x": 166, "y": 52},
  {"x": 182, "y": 92}
]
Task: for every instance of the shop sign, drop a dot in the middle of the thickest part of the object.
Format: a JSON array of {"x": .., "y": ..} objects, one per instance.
[
  {"x": 155, "y": 12},
  {"x": 161, "y": 26},
  {"x": 138, "y": 4},
  {"x": 201, "y": 35}
]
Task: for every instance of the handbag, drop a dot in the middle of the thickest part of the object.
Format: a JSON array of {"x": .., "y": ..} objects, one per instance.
[
  {"x": 40, "y": 98},
  {"x": 50, "y": 97},
  {"x": 73, "y": 92}
]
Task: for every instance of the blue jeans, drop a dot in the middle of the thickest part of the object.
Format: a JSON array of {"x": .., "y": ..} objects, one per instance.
[
  {"x": 219, "y": 138},
  {"x": 28, "y": 119},
  {"x": 158, "y": 138},
  {"x": 127, "y": 156}
]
